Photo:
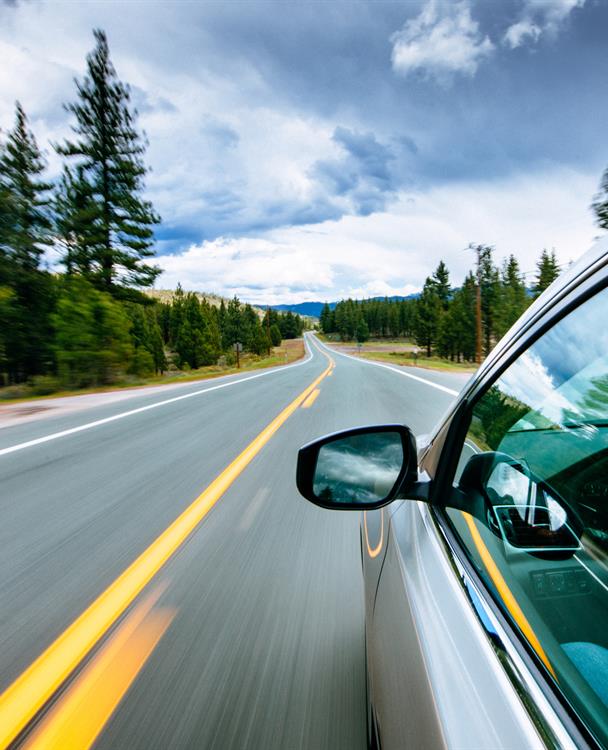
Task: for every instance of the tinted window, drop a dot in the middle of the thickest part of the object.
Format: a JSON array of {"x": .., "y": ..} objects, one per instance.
[{"x": 534, "y": 473}]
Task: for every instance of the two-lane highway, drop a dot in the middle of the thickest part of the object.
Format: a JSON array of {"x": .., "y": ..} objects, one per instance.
[{"x": 160, "y": 568}]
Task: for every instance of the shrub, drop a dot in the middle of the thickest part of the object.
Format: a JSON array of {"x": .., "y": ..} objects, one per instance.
[{"x": 44, "y": 385}]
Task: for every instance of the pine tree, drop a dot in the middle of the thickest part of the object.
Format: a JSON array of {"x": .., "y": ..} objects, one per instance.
[
  {"x": 109, "y": 151},
  {"x": 512, "y": 298},
  {"x": 490, "y": 289},
  {"x": 275, "y": 335},
  {"x": 211, "y": 337},
  {"x": 221, "y": 321},
  {"x": 75, "y": 211},
  {"x": 249, "y": 326},
  {"x": 547, "y": 271},
  {"x": 441, "y": 280},
  {"x": 155, "y": 342},
  {"x": 289, "y": 326},
  {"x": 324, "y": 318},
  {"x": 7, "y": 213},
  {"x": 24, "y": 197},
  {"x": 233, "y": 326},
  {"x": 25, "y": 232},
  {"x": 177, "y": 315},
  {"x": 428, "y": 310},
  {"x": 362, "y": 332}
]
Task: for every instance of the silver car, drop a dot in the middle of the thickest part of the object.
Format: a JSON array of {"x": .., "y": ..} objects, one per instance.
[{"x": 485, "y": 552}]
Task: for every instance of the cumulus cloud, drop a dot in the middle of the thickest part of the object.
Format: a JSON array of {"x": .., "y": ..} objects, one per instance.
[
  {"x": 539, "y": 17},
  {"x": 443, "y": 39},
  {"x": 392, "y": 252}
]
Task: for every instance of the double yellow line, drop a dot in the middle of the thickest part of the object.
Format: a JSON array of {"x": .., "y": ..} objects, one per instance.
[{"x": 29, "y": 693}]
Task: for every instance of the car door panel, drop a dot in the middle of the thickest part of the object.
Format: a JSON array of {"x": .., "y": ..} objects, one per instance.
[{"x": 437, "y": 682}]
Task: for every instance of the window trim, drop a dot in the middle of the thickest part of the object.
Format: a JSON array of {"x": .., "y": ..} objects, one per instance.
[{"x": 590, "y": 283}]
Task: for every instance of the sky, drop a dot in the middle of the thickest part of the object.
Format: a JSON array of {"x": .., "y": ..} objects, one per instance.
[{"x": 317, "y": 150}]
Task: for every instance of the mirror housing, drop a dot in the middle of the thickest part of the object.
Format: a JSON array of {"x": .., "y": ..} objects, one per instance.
[{"x": 358, "y": 469}]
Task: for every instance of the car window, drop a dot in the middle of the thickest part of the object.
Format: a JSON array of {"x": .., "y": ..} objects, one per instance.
[{"x": 533, "y": 480}]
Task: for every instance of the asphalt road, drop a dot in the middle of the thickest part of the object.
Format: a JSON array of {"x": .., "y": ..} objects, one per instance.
[{"x": 250, "y": 634}]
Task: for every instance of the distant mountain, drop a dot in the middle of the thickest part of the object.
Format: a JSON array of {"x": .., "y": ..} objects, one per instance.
[
  {"x": 313, "y": 309},
  {"x": 310, "y": 309}
]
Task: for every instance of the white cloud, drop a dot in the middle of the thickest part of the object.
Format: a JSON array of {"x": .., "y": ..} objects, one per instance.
[
  {"x": 539, "y": 17},
  {"x": 443, "y": 39},
  {"x": 518, "y": 32},
  {"x": 392, "y": 252}
]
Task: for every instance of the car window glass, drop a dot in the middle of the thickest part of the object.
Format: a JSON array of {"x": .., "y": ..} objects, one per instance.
[{"x": 533, "y": 479}]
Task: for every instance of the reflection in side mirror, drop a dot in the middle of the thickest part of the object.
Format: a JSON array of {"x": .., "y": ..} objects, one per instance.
[{"x": 357, "y": 469}]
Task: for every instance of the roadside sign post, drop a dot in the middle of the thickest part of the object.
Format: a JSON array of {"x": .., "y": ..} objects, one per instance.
[
  {"x": 238, "y": 348},
  {"x": 416, "y": 352},
  {"x": 359, "y": 345}
]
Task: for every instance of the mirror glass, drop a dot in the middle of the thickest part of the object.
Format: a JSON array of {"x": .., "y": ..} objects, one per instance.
[{"x": 359, "y": 468}]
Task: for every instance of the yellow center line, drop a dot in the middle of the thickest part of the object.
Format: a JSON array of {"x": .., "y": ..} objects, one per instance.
[
  {"x": 84, "y": 709},
  {"x": 312, "y": 398},
  {"x": 30, "y": 691},
  {"x": 505, "y": 592}
]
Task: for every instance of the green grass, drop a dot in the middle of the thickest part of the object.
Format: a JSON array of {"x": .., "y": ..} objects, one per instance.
[
  {"x": 402, "y": 357},
  {"x": 429, "y": 363},
  {"x": 288, "y": 352}
]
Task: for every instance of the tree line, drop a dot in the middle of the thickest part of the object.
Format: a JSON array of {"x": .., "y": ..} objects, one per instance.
[
  {"x": 92, "y": 322},
  {"x": 442, "y": 319}
]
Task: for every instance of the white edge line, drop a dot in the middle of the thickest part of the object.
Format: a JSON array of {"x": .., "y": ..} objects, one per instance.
[
  {"x": 139, "y": 410},
  {"x": 444, "y": 388}
]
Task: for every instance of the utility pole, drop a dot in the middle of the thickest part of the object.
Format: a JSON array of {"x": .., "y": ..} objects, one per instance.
[
  {"x": 268, "y": 328},
  {"x": 477, "y": 250}
]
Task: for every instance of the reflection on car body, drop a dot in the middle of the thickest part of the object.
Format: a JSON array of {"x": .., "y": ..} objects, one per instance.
[{"x": 515, "y": 502}]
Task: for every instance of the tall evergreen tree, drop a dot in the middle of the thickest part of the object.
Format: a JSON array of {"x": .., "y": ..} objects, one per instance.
[
  {"x": 512, "y": 298},
  {"x": 233, "y": 324},
  {"x": 489, "y": 279},
  {"x": 428, "y": 311},
  {"x": 109, "y": 150},
  {"x": 547, "y": 270},
  {"x": 441, "y": 280},
  {"x": 25, "y": 196},
  {"x": 177, "y": 315},
  {"x": 275, "y": 335},
  {"x": 362, "y": 332},
  {"x": 324, "y": 318},
  {"x": 25, "y": 232}
]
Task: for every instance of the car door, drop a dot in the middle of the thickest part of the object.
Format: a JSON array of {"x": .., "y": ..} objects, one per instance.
[{"x": 490, "y": 623}]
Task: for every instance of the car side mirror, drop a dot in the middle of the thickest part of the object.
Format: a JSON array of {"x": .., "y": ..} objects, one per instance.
[{"x": 359, "y": 469}]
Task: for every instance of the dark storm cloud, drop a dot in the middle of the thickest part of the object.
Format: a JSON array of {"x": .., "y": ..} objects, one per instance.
[{"x": 363, "y": 174}]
